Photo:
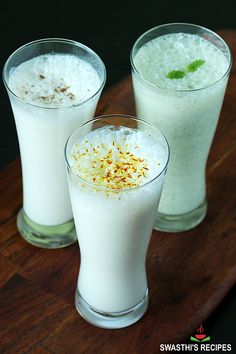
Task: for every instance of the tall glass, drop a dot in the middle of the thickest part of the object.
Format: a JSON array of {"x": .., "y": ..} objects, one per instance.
[
  {"x": 46, "y": 217},
  {"x": 114, "y": 226},
  {"x": 187, "y": 117}
]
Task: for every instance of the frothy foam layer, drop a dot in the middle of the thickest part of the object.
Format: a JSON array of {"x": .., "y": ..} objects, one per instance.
[
  {"x": 117, "y": 158},
  {"x": 54, "y": 80},
  {"x": 176, "y": 51}
]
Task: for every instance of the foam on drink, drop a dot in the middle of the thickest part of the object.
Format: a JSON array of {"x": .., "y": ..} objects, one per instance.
[
  {"x": 117, "y": 159},
  {"x": 176, "y": 51},
  {"x": 58, "y": 80}
]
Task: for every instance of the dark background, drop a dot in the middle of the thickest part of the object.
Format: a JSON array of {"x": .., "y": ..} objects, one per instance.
[{"x": 110, "y": 29}]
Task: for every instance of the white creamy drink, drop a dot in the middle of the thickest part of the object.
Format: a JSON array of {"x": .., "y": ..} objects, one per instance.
[
  {"x": 179, "y": 82},
  {"x": 114, "y": 209},
  {"x": 53, "y": 96}
]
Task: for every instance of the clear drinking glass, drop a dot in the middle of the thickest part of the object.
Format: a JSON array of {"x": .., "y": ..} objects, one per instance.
[
  {"x": 114, "y": 226},
  {"x": 187, "y": 117},
  {"x": 46, "y": 217}
]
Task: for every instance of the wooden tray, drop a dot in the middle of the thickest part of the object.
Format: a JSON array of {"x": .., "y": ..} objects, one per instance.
[{"x": 189, "y": 273}]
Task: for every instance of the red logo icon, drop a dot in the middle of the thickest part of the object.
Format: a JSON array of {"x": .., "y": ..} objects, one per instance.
[{"x": 200, "y": 336}]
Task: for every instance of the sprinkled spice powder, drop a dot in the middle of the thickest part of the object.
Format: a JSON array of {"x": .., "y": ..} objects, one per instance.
[{"x": 55, "y": 80}]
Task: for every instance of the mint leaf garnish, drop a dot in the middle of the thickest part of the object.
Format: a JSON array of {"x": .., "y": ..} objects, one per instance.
[
  {"x": 179, "y": 74},
  {"x": 175, "y": 74},
  {"x": 195, "y": 65}
]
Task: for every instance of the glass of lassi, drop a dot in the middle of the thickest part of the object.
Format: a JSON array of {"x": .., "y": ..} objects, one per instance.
[
  {"x": 180, "y": 72},
  {"x": 116, "y": 168},
  {"x": 53, "y": 84}
]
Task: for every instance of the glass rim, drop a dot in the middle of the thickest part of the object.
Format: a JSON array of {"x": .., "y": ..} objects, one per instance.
[
  {"x": 187, "y": 25},
  {"x": 62, "y": 40},
  {"x": 99, "y": 186}
]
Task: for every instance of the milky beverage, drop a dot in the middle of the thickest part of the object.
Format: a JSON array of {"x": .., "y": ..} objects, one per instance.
[
  {"x": 50, "y": 89},
  {"x": 185, "y": 114},
  {"x": 114, "y": 212}
]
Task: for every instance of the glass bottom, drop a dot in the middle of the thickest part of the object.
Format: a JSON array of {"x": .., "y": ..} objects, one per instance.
[
  {"x": 111, "y": 320},
  {"x": 183, "y": 222},
  {"x": 46, "y": 236}
]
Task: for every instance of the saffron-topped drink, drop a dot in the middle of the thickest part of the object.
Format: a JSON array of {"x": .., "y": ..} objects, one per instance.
[
  {"x": 53, "y": 85},
  {"x": 116, "y": 173},
  {"x": 180, "y": 73}
]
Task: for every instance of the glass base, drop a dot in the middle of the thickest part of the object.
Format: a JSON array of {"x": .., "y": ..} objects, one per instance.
[
  {"x": 46, "y": 236},
  {"x": 111, "y": 320},
  {"x": 183, "y": 222}
]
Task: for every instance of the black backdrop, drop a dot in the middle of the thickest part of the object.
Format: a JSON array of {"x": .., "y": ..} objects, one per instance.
[{"x": 110, "y": 28}]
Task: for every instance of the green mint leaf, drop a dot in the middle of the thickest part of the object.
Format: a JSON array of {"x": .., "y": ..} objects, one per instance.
[
  {"x": 175, "y": 74},
  {"x": 195, "y": 65},
  {"x": 179, "y": 74}
]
